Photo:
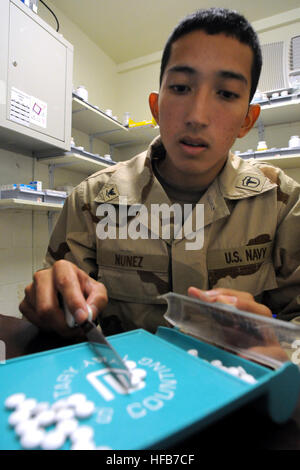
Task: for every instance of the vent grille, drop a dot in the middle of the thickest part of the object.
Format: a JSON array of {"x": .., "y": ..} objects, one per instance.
[
  {"x": 295, "y": 54},
  {"x": 272, "y": 74}
]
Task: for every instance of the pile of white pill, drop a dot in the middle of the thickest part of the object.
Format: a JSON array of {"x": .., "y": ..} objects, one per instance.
[
  {"x": 237, "y": 371},
  {"x": 41, "y": 425}
]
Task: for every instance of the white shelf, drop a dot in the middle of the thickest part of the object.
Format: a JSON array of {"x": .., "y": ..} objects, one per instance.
[
  {"x": 77, "y": 162},
  {"x": 282, "y": 161},
  {"x": 137, "y": 135},
  {"x": 94, "y": 122},
  {"x": 20, "y": 204},
  {"x": 280, "y": 111}
]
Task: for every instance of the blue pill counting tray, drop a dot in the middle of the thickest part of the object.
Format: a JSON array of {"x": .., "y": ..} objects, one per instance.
[{"x": 180, "y": 395}]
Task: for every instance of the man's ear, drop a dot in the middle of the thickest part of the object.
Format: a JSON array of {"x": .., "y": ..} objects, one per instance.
[
  {"x": 153, "y": 103},
  {"x": 251, "y": 118}
]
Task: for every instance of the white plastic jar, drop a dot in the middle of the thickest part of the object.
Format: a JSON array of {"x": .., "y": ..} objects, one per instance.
[
  {"x": 294, "y": 141},
  {"x": 82, "y": 92},
  {"x": 262, "y": 145}
]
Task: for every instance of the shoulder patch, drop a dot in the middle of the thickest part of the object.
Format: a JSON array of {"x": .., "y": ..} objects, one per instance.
[
  {"x": 250, "y": 182},
  {"x": 108, "y": 192}
]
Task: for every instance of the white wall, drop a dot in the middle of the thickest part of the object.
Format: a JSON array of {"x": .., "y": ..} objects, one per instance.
[{"x": 24, "y": 234}]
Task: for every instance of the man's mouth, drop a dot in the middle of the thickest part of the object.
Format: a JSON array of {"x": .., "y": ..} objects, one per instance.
[{"x": 194, "y": 143}]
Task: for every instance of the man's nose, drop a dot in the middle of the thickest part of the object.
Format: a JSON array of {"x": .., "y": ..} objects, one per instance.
[{"x": 199, "y": 109}]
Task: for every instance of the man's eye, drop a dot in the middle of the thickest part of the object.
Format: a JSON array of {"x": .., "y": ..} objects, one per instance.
[
  {"x": 179, "y": 89},
  {"x": 228, "y": 95}
]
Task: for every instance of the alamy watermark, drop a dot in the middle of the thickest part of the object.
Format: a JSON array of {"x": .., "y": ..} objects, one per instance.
[{"x": 187, "y": 223}]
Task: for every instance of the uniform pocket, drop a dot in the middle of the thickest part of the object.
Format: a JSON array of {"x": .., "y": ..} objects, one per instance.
[
  {"x": 248, "y": 268},
  {"x": 138, "y": 286},
  {"x": 132, "y": 274}
]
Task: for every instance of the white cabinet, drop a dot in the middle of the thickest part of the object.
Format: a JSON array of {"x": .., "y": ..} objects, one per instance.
[{"x": 35, "y": 81}]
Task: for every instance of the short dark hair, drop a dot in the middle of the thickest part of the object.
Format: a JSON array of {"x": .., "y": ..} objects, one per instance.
[{"x": 218, "y": 21}]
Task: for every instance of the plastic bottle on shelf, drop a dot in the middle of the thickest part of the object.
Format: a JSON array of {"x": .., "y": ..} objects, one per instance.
[
  {"x": 82, "y": 92},
  {"x": 294, "y": 141},
  {"x": 261, "y": 146},
  {"x": 126, "y": 119}
]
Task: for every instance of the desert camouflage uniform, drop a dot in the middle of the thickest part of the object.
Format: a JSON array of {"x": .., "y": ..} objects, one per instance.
[{"x": 251, "y": 240}]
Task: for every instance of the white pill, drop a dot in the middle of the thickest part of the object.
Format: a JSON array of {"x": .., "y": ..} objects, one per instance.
[
  {"x": 233, "y": 371},
  {"x": 64, "y": 413},
  {"x": 14, "y": 400},
  {"x": 216, "y": 363},
  {"x": 67, "y": 426},
  {"x": 46, "y": 418},
  {"x": 32, "y": 439},
  {"x": 82, "y": 433},
  {"x": 135, "y": 381},
  {"x": 41, "y": 406},
  {"x": 248, "y": 378},
  {"x": 130, "y": 364},
  {"x": 76, "y": 398},
  {"x": 28, "y": 404},
  {"x": 193, "y": 352},
  {"x": 59, "y": 404},
  {"x": 53, "y": 440},
  {"x": 18, "y": 416},
  {"x": 140, "y": 373},
  {"x": 241, "y": 370},
  {"x": 83, "y": 445},
  {"x": 26, "y": 426},
  {"x": 85, "y": 409}
]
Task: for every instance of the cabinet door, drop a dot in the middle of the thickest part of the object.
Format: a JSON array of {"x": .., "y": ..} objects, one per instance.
[{"x": 36, "y": 76}]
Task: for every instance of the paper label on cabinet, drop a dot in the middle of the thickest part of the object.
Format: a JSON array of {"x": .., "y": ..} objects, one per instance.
[
  {"x": 20, "y": 107},
  {"x": 26, "y": 109},
  {"x": 38, "y": 112}
]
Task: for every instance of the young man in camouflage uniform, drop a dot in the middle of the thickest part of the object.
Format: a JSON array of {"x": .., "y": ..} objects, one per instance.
[{"x": 250, "y": 254}]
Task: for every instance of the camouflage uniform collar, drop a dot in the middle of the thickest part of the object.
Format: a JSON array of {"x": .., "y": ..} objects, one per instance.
[
  {"x": 135, "y": 179},
  {"x": 241, "y": 179}
]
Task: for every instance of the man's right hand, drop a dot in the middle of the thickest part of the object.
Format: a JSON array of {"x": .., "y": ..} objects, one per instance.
[{"x": 41, "y": 304}]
